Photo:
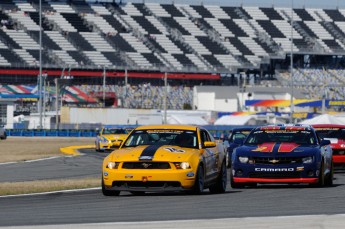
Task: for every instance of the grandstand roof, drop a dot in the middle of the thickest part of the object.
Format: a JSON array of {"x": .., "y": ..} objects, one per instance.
[{"x": 268, "y": 3}]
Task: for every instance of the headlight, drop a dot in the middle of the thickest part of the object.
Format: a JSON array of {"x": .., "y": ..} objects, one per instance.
[
  {"x": 307, "y": 160},
  {"x": 182, "y": 165},
  {"x": 113, "y": 165},
  {"x": 243, "y": 159}
]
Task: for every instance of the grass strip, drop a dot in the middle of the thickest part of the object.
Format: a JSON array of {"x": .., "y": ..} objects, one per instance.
[{"x": 25, "y": 187}]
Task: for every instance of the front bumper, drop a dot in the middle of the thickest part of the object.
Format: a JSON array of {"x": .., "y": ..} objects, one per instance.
[
  {"x": 106, "y": 146},
  {"x": 148, "y": 180},
  {"x": 301, "y": 173},
  {"x": 275, "y": 180}
]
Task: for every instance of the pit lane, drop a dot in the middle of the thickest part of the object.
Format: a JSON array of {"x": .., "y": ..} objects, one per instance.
[{"x": 79, "y": 207}]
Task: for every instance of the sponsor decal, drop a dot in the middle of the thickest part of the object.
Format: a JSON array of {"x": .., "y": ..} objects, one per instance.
[
  {"x": 145, "y": 158},
  {"x": 274, "y": 169},
  {"x": 270, "y": 128},
  {"x": 287, "y": 147},
  {"x": 323, "y": 128},
  {"x": 128, "y": 176},
  {"x": 149, "y": 152},
  {"x": 265, "y": 148},
  {"x": 174, "y": 150},
  {"x": 164, "y": 131}
]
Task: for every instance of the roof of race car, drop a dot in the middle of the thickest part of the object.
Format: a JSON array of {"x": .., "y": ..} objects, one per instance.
[
  {"x": 242, "y": 129},
  {"x": 168, "y": 126},
  {"x": 328, "y": 126},
  {"x": 284, "y": 127}
]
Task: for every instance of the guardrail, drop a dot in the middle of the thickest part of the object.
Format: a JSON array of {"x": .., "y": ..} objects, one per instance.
[
  {"x": 216, "y": 131},
  {"x": 51, "y": 133}
]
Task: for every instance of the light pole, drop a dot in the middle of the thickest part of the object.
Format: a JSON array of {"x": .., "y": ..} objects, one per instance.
[
  {"x": 104, "y": 76},
  {"x": 165, "y": 96},
  {"x": 291, "y": 67},
  {"x": 44, "y": 78},
  {"x": 40, "y": 67}
]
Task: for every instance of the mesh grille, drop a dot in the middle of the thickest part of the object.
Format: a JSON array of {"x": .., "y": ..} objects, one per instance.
[
  {"x": 146, "y": 165},
  {"x": 277, "y": 160}
]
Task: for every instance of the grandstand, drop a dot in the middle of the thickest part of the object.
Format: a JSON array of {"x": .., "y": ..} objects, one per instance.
[{"x": 134, "y": 43}]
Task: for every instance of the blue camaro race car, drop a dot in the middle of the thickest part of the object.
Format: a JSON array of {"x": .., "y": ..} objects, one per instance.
[
  {"x": 236, "y": 134},
  {"x": 282, "y": 154}
]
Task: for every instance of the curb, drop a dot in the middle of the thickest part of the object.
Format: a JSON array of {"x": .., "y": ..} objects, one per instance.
[{"x": 73, "y": 150}]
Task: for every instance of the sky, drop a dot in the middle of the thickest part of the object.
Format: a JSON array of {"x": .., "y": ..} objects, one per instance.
[{"x": 328, "y": 4}]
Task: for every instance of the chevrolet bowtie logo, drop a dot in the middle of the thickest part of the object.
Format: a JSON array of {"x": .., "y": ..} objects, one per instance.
[{"x": 274, "y": 161}]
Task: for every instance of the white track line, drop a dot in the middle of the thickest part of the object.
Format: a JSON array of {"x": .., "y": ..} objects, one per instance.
[
  {"x": 35, "y": 160},
  {"x": 53, "y": 192},
  {"x": 280, "y": 222}
]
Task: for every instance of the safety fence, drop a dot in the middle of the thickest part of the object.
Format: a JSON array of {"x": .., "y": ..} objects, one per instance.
[{"x": 216, "y": 131}]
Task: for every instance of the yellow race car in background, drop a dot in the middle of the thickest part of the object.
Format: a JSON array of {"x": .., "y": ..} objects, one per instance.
[
  {"x": 106, "y": 138},
  {"x": 166, "y": 158}
]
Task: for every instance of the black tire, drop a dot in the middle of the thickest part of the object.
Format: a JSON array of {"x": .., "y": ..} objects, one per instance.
[
  {"x": 330, "y": 176},
  {"x": 4, "y": 137},
  {"x": 108, "y": 192},
  {"x": 222, "y": 179},
  {"x": 97, "y": 147},
  {"x": 233, "y": 184},
  {"x": 229, "y": 163},
  {"x": 138, "y": 193},
  {"x": 198, "y": 187},
  {"x": 321, "y": 181}
]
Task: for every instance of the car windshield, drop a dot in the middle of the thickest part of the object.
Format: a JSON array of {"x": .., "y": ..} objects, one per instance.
[
  {"x": 239, "y": 134},
  {"x": 183, "y": 138},
  {"x": 114, "y": 131},
  {"x": 302, "y": 137},
  {"x": 338, "y": 133}
]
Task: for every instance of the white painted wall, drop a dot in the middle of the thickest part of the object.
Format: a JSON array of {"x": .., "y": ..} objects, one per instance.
[
  {"x": 226, "y": 105},
  {"x": 205, "y": 101},
  {"x": 117, "y": 116},
  {"x": 112, "y": 116},
  {"x": 10, "y": 112}
]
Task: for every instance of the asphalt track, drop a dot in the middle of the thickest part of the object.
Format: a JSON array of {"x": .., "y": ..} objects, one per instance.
[{"x": 81, "y": 209}]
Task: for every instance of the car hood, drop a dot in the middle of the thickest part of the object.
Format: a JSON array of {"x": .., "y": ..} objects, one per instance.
[
  {"x": 285, "y": 148},
  {"x": 154, "y": 153}
]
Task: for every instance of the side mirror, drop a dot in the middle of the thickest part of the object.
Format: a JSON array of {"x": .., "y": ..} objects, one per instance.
[
  {"x": 239, "y": 141},
  {"x": 325, "y": 142},
  {"x": 209, "y": 144}
]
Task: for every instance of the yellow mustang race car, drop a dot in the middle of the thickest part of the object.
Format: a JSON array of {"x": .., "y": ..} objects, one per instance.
[
  {"x": 106, "y": 138},
  {"x": 166, "y": 158}
]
